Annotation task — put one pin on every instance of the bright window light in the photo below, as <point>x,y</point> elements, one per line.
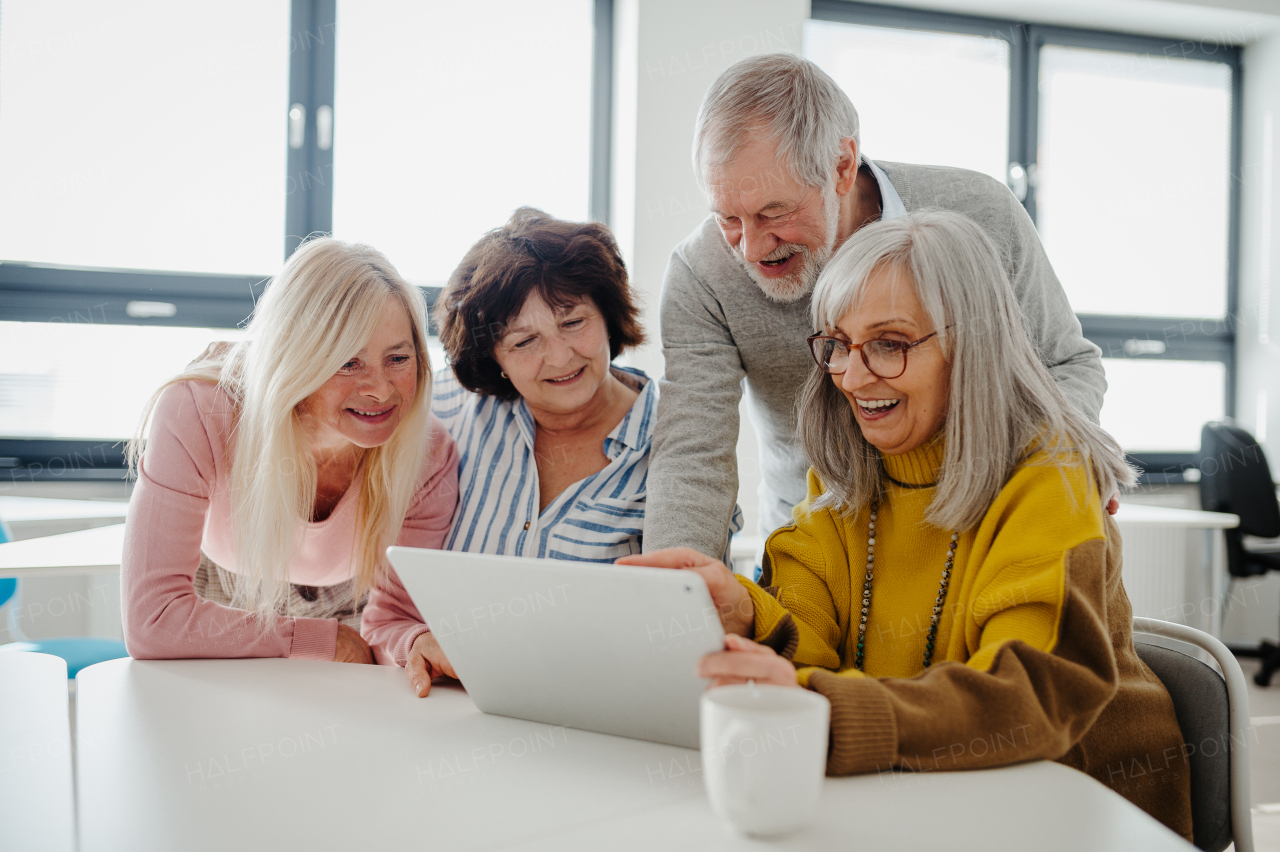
<point>144,135</point>
<point>1134,168</point>
<point>1159,405</point>
<point>447,117</point>
<point>936,99</point>
<point>87,380</point>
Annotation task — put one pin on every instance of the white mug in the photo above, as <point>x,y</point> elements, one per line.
<point>764,755</point>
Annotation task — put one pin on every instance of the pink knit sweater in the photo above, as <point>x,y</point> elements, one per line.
<point>181,506</point>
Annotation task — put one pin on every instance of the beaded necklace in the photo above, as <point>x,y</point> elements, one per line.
<point>866,595</point>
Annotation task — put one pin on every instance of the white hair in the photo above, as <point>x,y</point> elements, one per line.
<point>1003,404</point>
<point>314,316</point>
<point>793,101</point>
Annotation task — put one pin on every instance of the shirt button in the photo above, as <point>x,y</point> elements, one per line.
<point>526,525</point>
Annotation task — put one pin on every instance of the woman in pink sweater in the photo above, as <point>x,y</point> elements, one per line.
<point>277,471</point>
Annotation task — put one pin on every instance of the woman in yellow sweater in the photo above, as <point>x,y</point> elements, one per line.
<point>952,582</point>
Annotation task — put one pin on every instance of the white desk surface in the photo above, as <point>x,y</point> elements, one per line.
<point>20,509</point>
<point>275,754</point>
<point>1136,513</point>
<point>85,552</point>
<point>99,550</point>
<point>36,803</point>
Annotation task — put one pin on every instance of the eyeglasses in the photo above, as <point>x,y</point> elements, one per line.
<point>884,358</point>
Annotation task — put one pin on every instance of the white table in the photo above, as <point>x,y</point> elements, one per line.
<point>36,799</point>
<point>15,510</point>
<point>95,551</point>
<point>1170,575</point>
<point>273,754</point>
<point>33,517</point>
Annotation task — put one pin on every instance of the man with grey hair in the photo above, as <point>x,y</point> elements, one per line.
<point>777,151</point>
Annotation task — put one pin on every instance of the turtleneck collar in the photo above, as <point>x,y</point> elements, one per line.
<point>919,467</point>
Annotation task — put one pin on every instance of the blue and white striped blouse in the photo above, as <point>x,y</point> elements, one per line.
<point>596,519</point>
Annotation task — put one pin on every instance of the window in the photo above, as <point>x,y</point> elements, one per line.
<point>143,135</point>
<point>1157,405</point>
<point>1140,231</point>
<point>508,113</point>
<point>159,161</point>
<point>922,97</point>
<point>1108,124</point>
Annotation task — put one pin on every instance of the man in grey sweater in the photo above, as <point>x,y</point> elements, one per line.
<point>776,148</point>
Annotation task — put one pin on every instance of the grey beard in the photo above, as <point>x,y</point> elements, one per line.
<point>800,284</point>
<point>796,286</point>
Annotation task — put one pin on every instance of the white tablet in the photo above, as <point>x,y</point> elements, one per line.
<point>599,647</point>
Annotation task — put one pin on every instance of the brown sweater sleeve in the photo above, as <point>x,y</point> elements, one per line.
<point>1026,705</point>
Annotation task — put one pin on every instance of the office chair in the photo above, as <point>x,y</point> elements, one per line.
<point>1213,714</point>
<point>77,651</point>
<point>1235,478</point>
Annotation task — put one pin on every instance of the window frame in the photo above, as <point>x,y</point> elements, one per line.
<point>35,292</point>
<point>1183,338</point>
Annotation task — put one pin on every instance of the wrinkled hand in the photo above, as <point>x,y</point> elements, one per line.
<point>737,612</point>
<point>1113,505</point>
<point>351,647</point>
<point>426,660</point>
<point>744,660</point>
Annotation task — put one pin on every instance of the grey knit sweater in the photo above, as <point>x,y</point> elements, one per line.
<point>718,328</point>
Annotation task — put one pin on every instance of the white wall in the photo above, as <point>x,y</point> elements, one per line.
<point>1253,604</point>
<point>667,53</point>
<point>1258,329</point>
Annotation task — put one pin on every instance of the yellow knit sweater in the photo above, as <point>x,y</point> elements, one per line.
<point>1034,655</point>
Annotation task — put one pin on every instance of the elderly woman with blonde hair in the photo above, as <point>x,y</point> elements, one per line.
<point>952,582</point>
<point>276,472</point>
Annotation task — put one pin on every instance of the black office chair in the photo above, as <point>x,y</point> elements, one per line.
<point>1235,478</point>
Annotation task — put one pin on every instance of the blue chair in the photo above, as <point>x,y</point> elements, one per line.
<point>9,586</point>
<point>78,651</point>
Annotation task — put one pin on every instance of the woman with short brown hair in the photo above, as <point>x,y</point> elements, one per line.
<point>553,438</point>
<point>564,263</point>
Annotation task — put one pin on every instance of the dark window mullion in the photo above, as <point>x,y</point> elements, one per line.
<point>900,17</point>
<point>601,111</point>
<point>1158,47</point>
<point>309,181</point>
<point>1233,198</point>
<point>1113,346</point>
<point>1019,106</point>
<point>1159,328</point>
<point>37,293</point>
<point>1031,115</point>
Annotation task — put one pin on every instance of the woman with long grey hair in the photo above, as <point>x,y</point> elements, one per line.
<point>952,582</point>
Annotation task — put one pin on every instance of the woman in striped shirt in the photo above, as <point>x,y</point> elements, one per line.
<point>553,439</point>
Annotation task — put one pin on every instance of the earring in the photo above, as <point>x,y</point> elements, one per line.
<point>504,375</point>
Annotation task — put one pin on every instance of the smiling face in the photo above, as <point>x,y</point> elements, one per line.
<point>362,404</point>
<point>782,231</point>
<point>895,415</point>
<point>558,360</point>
